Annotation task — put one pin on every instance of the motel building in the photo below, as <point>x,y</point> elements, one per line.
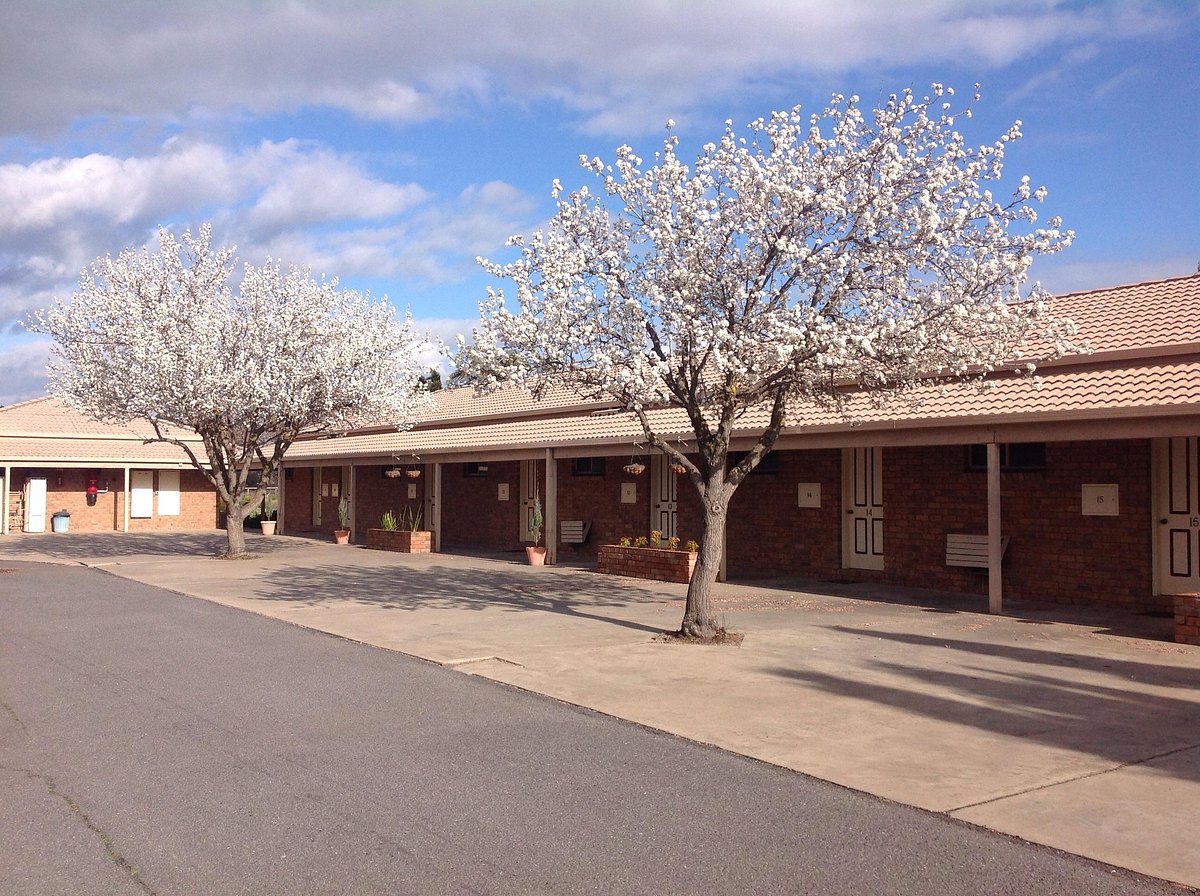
<point>1080,486</point>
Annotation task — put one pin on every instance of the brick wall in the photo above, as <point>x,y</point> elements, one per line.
<point>597,499</point>
<point>1055,553</point>
<point>377,494</point>
<point>472,514</point>
<point>197,506</point>
<point>768,533</point>
<point>197,501</point>
<point>297,499</point>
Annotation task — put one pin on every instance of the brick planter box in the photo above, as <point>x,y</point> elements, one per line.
<point>659,564</point>
<point>1187,618</point>
<point>403,541</point>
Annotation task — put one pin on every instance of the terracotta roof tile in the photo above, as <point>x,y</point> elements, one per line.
<point>1149,315</point>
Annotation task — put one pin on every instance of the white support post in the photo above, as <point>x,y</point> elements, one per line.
<point>995,544</point>
<point>353,502</point>
<point>7,478</point>
<point>435,506</point>
<point>282,474</point>
<point>125,523</point>
<point>551,507</point>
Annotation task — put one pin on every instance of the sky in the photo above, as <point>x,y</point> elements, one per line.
<point>391,144</point>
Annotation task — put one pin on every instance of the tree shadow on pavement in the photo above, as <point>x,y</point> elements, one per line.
<point>92,545</point>
<point>512,588</point>
<point>1101,705</point>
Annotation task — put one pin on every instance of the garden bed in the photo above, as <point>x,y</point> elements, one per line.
<point>400,540</point>
<point>660,564</point>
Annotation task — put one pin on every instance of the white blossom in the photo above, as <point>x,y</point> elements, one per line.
<point>818,253</point>
<point>163,336</point>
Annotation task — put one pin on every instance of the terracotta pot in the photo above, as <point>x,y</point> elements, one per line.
<point>536,556</point>
<point>341,536</point>
<point>268,527</point>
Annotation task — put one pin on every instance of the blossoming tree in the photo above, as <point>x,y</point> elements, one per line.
<point>815,259</point>
<point>163,336</point>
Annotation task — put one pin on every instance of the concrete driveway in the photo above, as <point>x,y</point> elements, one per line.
<point>1081,734</point>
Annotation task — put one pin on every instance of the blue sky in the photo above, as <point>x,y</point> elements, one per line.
<point>389,144</point>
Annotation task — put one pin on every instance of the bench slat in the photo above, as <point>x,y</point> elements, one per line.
<point>574,531</point>
<point>970,550</point>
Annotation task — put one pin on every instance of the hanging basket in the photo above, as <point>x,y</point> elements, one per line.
<point>413,474</point>
<point>635,469</point>
<point>392,473</point>
<point>678,469</point>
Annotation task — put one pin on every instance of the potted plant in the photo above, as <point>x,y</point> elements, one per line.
<point>535,553</point>
<point>342,534</point>
<point>270,513</point>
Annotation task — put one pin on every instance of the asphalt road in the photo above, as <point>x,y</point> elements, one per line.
<point>154,743</point>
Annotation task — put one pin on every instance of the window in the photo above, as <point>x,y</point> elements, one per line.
<point>587,466</point>
<point>769,464</point>
<point>1015,457</point>
<point>473,468</point>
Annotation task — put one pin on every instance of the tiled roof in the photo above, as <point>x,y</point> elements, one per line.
<point>1169,386</point>
<point>46,430</point>
<point>1139,316</point>
<point>50,451</point>
<point>49,416</point>
<point>1146,340</point>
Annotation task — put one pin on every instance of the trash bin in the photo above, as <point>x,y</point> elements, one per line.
<point>61,521</point>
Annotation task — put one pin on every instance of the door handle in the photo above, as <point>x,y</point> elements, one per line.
<point>1163,521</point>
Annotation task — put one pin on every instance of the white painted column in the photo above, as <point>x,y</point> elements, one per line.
<point>435,507</point>
<point>282,474</point>
<point>125,523</point>
<point>353,502</point>
<point>6,493</point>
<point>995,546</point>
<point>551,513</point>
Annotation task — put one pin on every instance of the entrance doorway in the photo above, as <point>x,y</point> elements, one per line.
<point>529,497</point>
<point>664,497</point>
<point>1177,515</point>
<point>862,497</point>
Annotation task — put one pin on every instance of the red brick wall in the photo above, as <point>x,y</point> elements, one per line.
<point>197,506</point>
<point>377,494</point>
<point>597,499</point>
<point>197,501</point>
<point>768,533</point>
<point>472,514</point>
<point>1055,553</point>
<point>297,499</point>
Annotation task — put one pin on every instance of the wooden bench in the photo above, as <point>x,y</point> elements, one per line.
<point>970,550</point>
<point>573,531</point>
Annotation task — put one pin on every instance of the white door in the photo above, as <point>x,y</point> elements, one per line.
<point>529,495</point>
<point>35,505</point>
<point>664,497</point>
<point>1177,512</point>
<point>862,478</point>
<point>168,493</point>
<point>141,494</point>
<point>433,512</point>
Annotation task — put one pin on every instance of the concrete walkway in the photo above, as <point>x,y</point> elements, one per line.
<point>1083,735</point>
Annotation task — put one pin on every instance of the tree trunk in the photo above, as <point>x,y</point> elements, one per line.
<point>698,619</point>
<point>235,530</point>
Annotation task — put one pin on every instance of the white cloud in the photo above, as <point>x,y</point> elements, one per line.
<point>617,65</point>
<point>295,201</point>
<point>23,370</point>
